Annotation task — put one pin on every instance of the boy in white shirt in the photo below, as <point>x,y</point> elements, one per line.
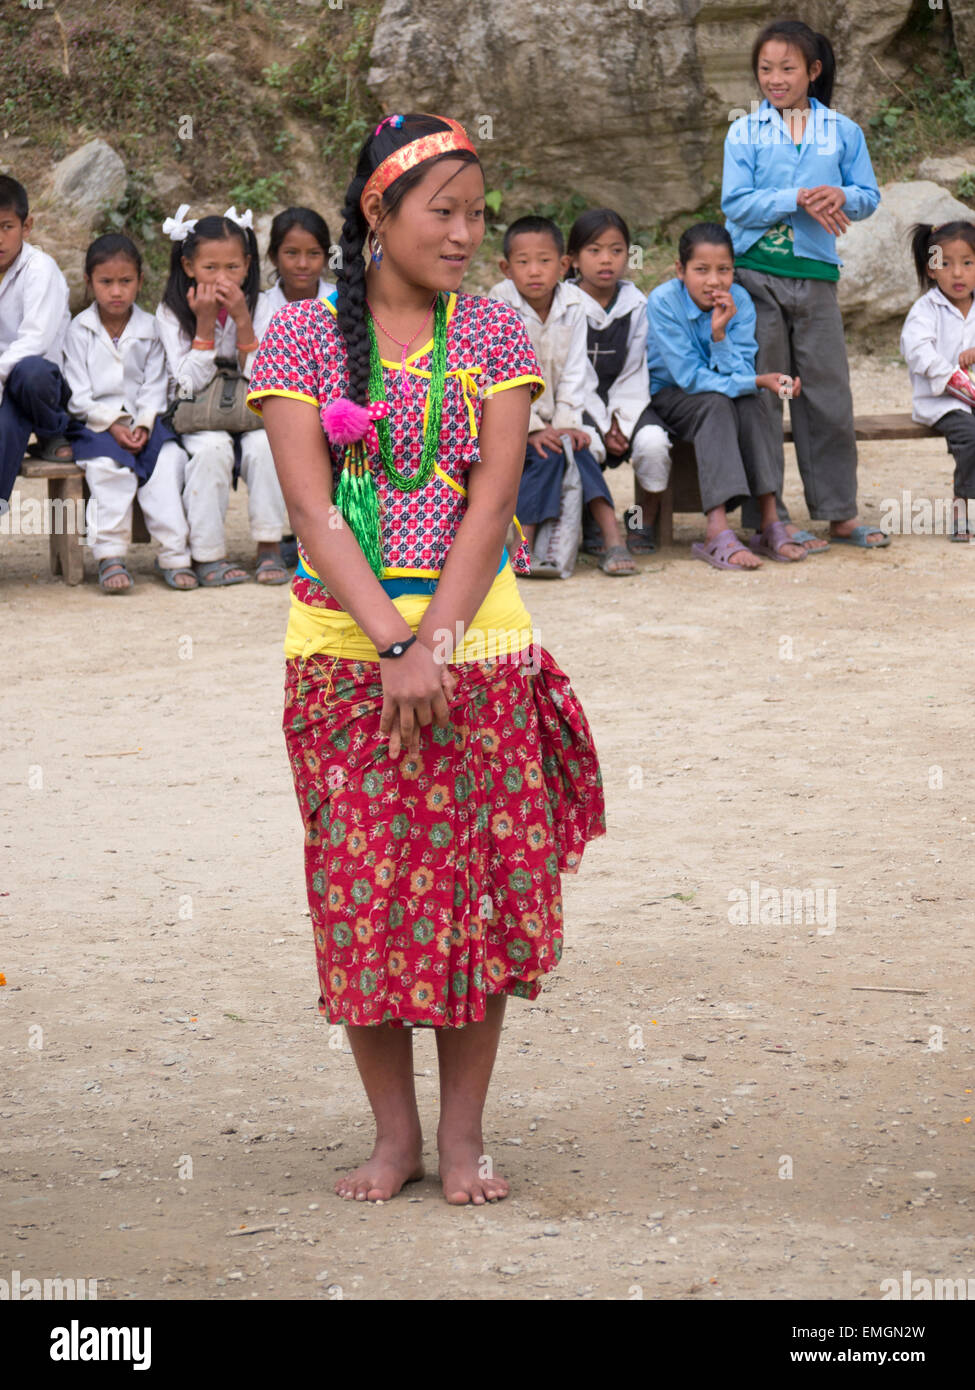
<point>34,316</point>
<point>552,312</point>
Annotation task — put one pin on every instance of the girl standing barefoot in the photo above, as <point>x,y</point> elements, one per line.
<point>444,768</point>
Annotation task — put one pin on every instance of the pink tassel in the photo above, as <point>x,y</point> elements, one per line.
<point>345,422</point>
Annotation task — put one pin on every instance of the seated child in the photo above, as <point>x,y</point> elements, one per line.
<point>115,364</point>
<point>555,320</point>
<point>701,352</point>
<point>299,250</point>
<point>206,315</point>
<point>619,406</point>
<point>34,316</point>
<point>938,345</point>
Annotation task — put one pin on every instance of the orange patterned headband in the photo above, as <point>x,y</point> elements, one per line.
<point>426,147</point>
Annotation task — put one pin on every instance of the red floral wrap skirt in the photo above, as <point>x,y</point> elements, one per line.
<point>433,879</point>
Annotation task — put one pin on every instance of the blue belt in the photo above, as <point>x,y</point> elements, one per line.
<point>409,584</point>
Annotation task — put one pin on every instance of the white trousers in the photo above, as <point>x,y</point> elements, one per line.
<point>108,518</point>
<point>651,458</point>
<point>206,491</point>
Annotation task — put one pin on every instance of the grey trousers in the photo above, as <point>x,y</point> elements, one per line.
<point>800,331</point>
<point>733,441</point>
<point>958,428</point>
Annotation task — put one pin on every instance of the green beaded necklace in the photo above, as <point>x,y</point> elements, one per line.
<point>406,482</point>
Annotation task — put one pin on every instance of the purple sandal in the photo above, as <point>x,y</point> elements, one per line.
<point>770,541</point>
<point>719,551</point>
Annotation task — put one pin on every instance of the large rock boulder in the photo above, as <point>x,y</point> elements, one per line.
<point>91,180</point>
<point>878,283</point>
<point>625,104</point>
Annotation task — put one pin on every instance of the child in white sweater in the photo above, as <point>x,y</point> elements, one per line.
<point>938,345</point>
<point>116,367</point>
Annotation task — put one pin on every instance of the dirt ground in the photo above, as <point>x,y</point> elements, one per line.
<point>697,1106</point>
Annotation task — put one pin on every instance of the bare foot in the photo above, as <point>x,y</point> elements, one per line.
<point>391,1164</point>
<point>466,1174</point>
<point>744,559</point>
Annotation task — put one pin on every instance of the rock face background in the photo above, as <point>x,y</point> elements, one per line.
<point>626,101</point>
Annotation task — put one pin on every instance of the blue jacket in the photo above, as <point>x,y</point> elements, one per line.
<point>763,171</point>
<point>679,347</point>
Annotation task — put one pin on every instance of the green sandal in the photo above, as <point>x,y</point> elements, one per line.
<point>169,575</point>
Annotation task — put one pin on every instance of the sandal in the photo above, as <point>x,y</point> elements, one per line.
<point>616,562</point>
<point>719,551</point>
<point>212,574</point>
<point>592,537</point>
<point>770,542</point>
<point>640,540</point>
<point>108,569</point>
<point>169,575</point>
<point>47,449</point>
<point>804,537</point>
<point>269,564</point>
<point>858,536</point>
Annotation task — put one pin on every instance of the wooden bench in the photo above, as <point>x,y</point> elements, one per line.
<point>67,493</point>
<point>683,493</point>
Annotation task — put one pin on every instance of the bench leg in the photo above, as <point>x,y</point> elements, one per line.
<point>665,517</point>
<point>66,499</point>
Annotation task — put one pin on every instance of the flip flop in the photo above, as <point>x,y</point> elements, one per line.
<point>804,537</point>
<point>169,575</point>
<point>614,554</point>
<point>770,541</point>
<point>108,569</point>
<point>858,536</point>
<point>212,574</point>
<point>719,551</point>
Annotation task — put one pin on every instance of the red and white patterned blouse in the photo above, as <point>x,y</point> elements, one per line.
<point>302,354</point>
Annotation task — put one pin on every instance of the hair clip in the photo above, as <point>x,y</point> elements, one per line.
<point>244,219</point>
<point>175,228</point>
<point>394,121</point>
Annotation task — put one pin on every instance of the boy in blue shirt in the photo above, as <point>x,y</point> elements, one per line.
<point>701,353</point>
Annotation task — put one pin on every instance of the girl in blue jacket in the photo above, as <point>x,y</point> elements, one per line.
<point>796,174</point>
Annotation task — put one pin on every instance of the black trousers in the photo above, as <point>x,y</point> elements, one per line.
<point>958,427</point>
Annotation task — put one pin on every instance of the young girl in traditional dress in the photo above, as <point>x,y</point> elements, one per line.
<point>298,249</point>
<point>619,408</point>
<point>206,316</point>
<point>444,768</point>
<point>115,364</point>
<point>796,174</point>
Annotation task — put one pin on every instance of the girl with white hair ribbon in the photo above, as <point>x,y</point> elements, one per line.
<point>205,318</point>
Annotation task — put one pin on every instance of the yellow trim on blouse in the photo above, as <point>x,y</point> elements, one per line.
<point>501,626</point>
<point>253,396</point>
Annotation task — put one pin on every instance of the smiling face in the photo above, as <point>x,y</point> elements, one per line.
<point>953,270</point>
<point>601,263</point>
<point>225,259</point>
<point>429,238</point>
<point>114,285</point>
<point>783,75</point>
<point>300,262</point>
<point>710,269</point>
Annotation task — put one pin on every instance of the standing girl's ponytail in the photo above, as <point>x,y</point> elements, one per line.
<point>390,136</point>
<point>815,48</point>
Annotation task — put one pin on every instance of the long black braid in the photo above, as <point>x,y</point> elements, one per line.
<point>351,272</point>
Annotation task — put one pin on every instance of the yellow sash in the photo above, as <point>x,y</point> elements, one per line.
<point>501,625</point>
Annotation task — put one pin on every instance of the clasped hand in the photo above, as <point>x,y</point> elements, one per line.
<point>416,691</point>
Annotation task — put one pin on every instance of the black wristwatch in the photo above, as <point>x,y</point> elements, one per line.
<point>397,649</point>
